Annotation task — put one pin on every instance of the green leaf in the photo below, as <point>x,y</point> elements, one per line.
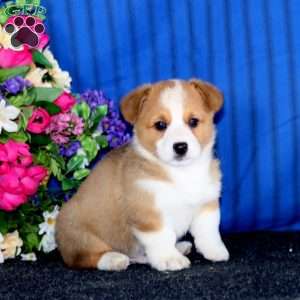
<point>40,59</point>
<point>43,158</point>
<point>98,114</point>
<point>51,108</point>
<point>54,167</point>
<point>40,139</point>
<point>82,110</point>
<point>90,146</point>
<point>21,100</point>
<point>7,73</point>
<point>80,174</point>
<point>101,140</point>
<point>69,184</point>
<point>75,162</point>
<point>32,241</point>
<point>45,94</point>
<point>19,136</point>
<point>3,223</point>
<point>26,113</point>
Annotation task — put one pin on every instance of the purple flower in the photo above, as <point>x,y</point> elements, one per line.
<point>96,98</point>
<point>69,149</point>
<point>14,85</point>
<point>111,125</point>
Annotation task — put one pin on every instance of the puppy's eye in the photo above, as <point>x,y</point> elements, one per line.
<point>193,122</point>
<point>160,125</point>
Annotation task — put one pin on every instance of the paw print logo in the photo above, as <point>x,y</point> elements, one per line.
<point>26,30</point>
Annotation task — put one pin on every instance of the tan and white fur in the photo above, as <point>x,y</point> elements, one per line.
<point>143,197</point>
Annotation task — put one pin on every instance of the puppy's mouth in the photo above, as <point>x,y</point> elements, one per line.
<point>179,160</point>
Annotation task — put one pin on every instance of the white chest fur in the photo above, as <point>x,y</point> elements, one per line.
<point>178,200</point>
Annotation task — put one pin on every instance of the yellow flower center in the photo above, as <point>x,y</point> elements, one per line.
<point>51,221</point>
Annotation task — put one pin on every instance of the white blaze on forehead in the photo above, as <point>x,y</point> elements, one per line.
<point>172,98</point>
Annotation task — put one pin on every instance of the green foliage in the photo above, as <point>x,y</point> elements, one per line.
<point>51,108</point>
<point>81,174</point>
<point>75,162</point>
<point>90,146</point>
<point>22,99</point>
<point>82,110</point>
<point>40,139</point>
<point>40,59</point>
<point>6,73</point>
<point>45,94</point>
<point>99,113</point>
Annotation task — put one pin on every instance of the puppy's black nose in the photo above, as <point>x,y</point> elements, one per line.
<point>180,148</point>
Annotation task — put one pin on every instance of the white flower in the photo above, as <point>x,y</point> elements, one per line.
<point>47,228</point>
<point>28,257</point>
<point>62,79</point>
<point>11,245</point>
<point>35,76</point>
<point>7,114</point>
<point>48,243</point>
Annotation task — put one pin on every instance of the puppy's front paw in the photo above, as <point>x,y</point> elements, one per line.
<point>172,262</point>
<point>217,253</point>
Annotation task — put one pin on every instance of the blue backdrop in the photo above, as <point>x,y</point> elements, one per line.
<point>249,48</point>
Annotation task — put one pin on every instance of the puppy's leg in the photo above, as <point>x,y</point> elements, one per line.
<point>92,252</point>
<point>205,229</point>
<point>160,249</point>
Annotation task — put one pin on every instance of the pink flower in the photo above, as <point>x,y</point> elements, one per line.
<point>39,121</point>
<point>10,58</point>
<point>9,202</point>
<point>10,183</point>
<point>14,152</point>
<point>18,177</point>
<point>4,167</point>
<point>44,40</point>
<point>37,172</point>
<point>65,101</point>
<point>63,126</point>
<point>29,185</point>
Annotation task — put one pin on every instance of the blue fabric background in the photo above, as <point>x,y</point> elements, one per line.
<point>249,48</point>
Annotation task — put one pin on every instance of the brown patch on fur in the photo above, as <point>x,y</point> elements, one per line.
<point>100,217</point>
<point>152,112</point>
<point>212,97</point>
<point>209,207</point>
<point>195,107</point>
<point>132,104</point>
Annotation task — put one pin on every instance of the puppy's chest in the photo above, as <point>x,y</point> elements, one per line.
<point>178,199</point>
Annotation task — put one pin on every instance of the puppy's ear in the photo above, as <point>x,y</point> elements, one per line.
<point>211,95</point>
<point>131,104</point>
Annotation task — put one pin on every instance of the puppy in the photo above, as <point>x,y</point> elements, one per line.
<point>143,197</point>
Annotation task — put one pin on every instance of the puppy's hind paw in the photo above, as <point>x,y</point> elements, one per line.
<point>173,262</point>
<point>113,261</point>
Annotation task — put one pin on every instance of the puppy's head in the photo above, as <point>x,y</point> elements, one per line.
<point>173,119</point>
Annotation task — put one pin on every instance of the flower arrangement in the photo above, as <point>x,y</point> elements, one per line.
<point>49,139</point>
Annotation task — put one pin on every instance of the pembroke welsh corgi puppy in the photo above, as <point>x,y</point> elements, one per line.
<point>141,198</point>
